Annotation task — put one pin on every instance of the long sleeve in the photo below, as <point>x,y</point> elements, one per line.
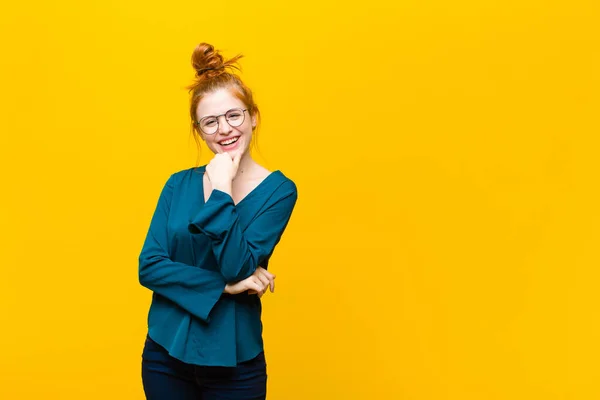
<point>239,252</point>
<point>192,288</point>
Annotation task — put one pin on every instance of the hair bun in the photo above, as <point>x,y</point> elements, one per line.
<point>206,59</point>
<point>208,63</point>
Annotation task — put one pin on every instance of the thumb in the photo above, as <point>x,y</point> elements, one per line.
<point>236,160</point>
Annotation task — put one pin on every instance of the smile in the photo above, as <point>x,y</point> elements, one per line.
<point>229,141</point>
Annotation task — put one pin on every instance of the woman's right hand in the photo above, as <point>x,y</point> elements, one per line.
<point>257,283</point>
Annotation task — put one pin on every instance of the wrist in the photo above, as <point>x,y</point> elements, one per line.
<point>223,187</point>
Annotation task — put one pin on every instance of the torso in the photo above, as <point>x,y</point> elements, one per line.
<point>243,184</point>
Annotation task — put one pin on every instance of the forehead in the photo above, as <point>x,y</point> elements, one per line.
<point>217,102</point>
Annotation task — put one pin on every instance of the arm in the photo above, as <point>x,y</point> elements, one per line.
<point>238,252</point>
<point>194,289</point>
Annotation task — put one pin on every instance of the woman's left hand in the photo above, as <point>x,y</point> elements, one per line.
<point>222,169</point>
<point>257,283</point>
<point>267,278</point>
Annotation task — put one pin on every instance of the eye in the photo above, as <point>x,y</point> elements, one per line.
<point>209,122</point>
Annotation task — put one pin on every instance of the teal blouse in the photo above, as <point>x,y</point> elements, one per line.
<point>193,248</point>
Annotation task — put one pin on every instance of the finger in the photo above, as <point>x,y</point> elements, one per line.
<point>261,285</point>
<point>254,286</point>
<point>271,279</point>
<point>262,276</point>
<point>264,281</point>
<point>269,276</point>
<point>266,271</point>
<point>236,160</point>
<point>261,270</point>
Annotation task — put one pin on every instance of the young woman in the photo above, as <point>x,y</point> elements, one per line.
<point>206,253</point>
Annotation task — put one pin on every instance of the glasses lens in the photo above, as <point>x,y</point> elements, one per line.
<point>235,117</point>
<point>209,125</point>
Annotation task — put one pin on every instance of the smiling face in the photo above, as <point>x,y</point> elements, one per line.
<point>227,138</point>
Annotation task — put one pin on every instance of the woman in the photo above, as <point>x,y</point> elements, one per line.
<point>207,250</point>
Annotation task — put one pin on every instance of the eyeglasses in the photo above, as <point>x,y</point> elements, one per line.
<point>234,117</point>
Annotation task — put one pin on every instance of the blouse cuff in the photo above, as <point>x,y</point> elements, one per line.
<point>215,217</point>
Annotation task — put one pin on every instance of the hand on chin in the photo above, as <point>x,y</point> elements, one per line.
<point>232,153</point>
<point>222,169</point>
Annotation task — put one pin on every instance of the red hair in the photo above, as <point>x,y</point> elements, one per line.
<point>212,74</point>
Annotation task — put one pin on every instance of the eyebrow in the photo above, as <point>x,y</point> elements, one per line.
<point>214,115</point>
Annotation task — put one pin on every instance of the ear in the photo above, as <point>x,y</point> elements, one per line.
<point>253,121</point>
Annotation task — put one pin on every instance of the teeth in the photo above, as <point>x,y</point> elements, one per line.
<point>226,142</point>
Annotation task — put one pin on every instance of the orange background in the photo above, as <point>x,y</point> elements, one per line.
<point>445,240</point>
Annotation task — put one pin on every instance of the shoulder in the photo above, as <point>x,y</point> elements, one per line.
<point>285,186</point>
<point>277,182</point>
<point>186,175</point>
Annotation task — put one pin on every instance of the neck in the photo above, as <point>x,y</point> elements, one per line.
<point>246,163</point>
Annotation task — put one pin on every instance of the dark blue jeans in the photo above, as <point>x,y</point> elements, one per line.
<point>166,378</point>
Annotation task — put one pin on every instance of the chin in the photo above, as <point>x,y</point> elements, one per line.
<point>236,151</point>
<point>240,146</point>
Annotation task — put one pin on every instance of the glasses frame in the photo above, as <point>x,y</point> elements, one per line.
<point>243,110</point>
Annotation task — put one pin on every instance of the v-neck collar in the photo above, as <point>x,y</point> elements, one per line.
<point>262,183</point>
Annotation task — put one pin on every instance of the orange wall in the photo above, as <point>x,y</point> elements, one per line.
<point>444,244</point>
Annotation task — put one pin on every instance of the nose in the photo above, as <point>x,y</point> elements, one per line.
<point>224,127</point>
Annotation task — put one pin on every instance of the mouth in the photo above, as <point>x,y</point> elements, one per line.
<point>229,142</point>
